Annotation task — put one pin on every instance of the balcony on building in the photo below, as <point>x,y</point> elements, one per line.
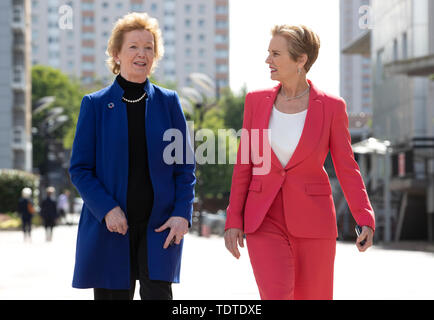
<point>413,67</point>
<point>18,138</point>
<point>18,18</point>
<point>18,79</point>
<point>361,45</point>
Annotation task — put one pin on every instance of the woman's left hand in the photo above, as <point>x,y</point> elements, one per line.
<point>368,234</point>
<point>178,228</point>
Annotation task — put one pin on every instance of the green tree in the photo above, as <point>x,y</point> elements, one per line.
<point>48,81</point>
<point>233,108</point>
<point>224,120</point>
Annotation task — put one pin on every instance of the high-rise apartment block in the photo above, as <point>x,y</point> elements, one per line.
<point>72,36</point>
<point>355,69</point>
<point>15,85</point>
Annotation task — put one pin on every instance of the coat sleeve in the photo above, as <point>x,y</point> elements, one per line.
<point>184,171</point>
<point>242,174</point>
<point>83,161</point>
<point>347,169</point>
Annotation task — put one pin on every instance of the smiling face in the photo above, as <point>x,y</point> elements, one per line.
<point>136,55</point>
<point>282,66</point>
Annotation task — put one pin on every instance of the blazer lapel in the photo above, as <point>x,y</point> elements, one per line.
<point>264,118</point>
<point>312,130</point>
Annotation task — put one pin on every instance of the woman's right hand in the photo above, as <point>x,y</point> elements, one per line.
<point>233,238</point>
<point>116,221</point>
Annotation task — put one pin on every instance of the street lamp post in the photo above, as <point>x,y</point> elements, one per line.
<point>199,99</point>
<point>45,132</point>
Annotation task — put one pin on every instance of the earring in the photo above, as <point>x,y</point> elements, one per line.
<point>299,70</point>
<point>118,62</point>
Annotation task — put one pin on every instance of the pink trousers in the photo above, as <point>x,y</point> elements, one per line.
<point>289,268</point>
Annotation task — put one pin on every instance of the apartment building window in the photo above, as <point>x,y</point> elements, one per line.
<point>88,6</point>
<point>87,21</point>
<point>221,54</point>
<point>87,51</point>
<point>219,38</point>
<point>202,38</point>
<point>88,35</point>
<point>222,68</point>
<point>221,24</point>
<point>201,52</point>
<point>87,66</point>
<point>187,8</point>
<point>188,37</point>
<point>380,66</point>
<point>105,5</point>
<point>202,8</point>
<point>18,74</point>
<point>17,13</point>
<point>187,23</point>
<point>137,7</point>
<point>188,52</point>
<point>221,9</point>
<point>154,7</point>
<point>404,46</point>
<point>395,50</point>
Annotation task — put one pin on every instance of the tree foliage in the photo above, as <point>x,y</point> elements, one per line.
<point>48,81</point>
<point>12,182</point>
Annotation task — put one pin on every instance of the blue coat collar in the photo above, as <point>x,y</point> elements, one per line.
<point>116,91</point>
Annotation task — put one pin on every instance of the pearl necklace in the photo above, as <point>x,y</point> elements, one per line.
<point>137,100</point>
<point>296,97</point>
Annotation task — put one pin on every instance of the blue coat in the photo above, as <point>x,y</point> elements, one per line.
<point>99,171</point>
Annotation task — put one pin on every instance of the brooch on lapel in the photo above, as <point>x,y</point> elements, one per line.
<point>111,105</point>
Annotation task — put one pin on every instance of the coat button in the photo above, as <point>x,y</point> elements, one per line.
<point>283,173</point>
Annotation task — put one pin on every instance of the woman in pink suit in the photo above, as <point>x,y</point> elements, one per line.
<point>283,202</point>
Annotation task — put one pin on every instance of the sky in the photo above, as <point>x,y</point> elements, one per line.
<point>251,22</point>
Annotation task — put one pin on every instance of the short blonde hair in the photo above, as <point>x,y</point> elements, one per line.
<point>130,22</point>
<point>301,40</point>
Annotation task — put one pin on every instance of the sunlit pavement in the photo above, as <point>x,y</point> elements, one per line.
<point>43,270</point>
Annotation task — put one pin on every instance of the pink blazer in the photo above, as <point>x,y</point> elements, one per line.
<point>306,190</point>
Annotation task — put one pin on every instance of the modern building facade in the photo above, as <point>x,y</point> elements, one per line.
<point>355,69</point>
<point>15,85</point>
<point>72,36</point>
<point>401,43</point>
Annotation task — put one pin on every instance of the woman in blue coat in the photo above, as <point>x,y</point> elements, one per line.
<point>137,202</point>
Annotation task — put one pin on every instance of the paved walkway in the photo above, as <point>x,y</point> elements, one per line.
<point>43,270</point>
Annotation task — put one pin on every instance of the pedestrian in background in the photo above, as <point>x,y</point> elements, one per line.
<point>137,206</point>
<point>63,206</point>
<point>49,213</point>
<point>287,213</point>
<point>26,212</point>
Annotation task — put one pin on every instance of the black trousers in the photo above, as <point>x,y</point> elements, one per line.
<point>149,289</point>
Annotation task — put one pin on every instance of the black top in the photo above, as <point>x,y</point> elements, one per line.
<point>140,194</point>
<point>48,209</point>
<point>23,209</point>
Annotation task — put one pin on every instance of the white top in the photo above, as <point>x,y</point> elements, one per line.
<point>285,132</point>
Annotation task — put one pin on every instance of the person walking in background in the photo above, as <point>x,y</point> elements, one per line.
<point>137,206</point>
<point>49,213</point>
<point>287,213</point>
<point>26,212</point>
<point>63,206</point>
